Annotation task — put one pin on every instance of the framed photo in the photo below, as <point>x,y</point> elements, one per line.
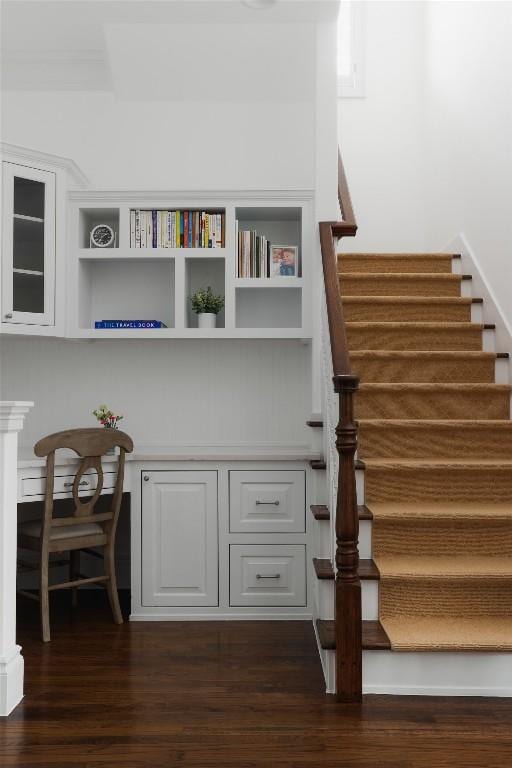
<point>284,260</point>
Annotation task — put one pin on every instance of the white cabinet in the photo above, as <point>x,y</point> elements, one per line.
<point>267,502</point>
<point>207,545</point>
<point>28,248</point>
<point>272,574</point>
<point>179,538</point>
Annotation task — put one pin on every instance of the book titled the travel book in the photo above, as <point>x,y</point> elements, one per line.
<point>136,324</point>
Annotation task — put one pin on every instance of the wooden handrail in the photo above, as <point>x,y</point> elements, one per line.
<point>348,626</point>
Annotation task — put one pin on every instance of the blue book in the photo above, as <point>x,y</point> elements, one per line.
<point>190,229</point>
<point>155,240</point>
<point>120,324</point>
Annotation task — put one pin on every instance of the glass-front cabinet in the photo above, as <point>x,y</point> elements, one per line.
<point>28,258</point>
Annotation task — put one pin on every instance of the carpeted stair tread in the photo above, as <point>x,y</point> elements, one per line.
<point>421,366</point>
<point>445,566</point>
<point>433,512</point>
<point>439,464</point>
<point>407,308</point>
<point>449,633</point>
<point>419,336</point>
<point>399,284</point>
<point>395,262</point>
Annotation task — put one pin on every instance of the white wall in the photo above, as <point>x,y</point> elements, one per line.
<point>469,135</point>
<point>168,145</point>
<point>381,135</point>
<point>170,392</point>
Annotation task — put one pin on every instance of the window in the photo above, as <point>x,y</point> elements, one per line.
<point>351,50</point>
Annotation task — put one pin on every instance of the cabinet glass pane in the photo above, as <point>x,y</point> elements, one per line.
<point>28,244</point>
<point>28,293</point>
<point>28,197</point>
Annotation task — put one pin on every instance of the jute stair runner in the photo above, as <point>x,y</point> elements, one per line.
<point>436,439</point>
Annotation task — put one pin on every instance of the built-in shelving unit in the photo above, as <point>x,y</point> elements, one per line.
<point>155,283</point>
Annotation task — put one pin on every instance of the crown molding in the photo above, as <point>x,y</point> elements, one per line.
<point>12,414</point>
<point>184,195</point>
<point>16,153</point>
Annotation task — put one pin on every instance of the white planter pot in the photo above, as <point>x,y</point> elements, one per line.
<point>206,320</point>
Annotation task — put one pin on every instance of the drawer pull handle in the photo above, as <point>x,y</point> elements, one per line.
<point>273,576</point>
<point>70,485</point>
<point>275,503</point>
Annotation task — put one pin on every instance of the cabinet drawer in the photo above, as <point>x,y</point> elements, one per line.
<point>267,501</point>
<point>267,574</point>
<point>35,486</point>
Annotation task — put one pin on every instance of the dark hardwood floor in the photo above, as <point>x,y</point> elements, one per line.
<point>223,695</point>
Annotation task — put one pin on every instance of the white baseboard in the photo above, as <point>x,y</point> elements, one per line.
<point>221,616</point>
<point>481,288</point>
<point>11,682</point>
<point>437,673</point>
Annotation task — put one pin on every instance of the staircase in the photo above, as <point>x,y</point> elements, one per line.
<point>433,486</point>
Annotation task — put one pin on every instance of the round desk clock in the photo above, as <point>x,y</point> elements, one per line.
<point>102,236</point>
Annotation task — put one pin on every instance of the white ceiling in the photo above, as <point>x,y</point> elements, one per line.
<point>162,49</point>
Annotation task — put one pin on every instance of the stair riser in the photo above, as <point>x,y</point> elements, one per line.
<point>425,370</point>
<point>324,599</point>
<point>434,442</point>
<point>482,537</point>
<point>395,312</point>
<point>322,539</point>
<point>426,339</point>
<point>424,485</point>
<point>434,405</point>
<point>388,264</point>
<point>415,285</point>
<point>458,597</point>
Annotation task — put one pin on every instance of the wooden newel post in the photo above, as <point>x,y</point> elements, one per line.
<point>348,585</point>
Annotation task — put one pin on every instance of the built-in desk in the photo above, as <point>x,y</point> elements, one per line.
<point>215,533</point>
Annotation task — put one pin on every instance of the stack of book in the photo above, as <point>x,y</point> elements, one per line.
<point>253,254</point>
<point>176,229</point>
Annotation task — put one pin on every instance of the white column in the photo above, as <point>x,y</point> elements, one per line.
<point>12,414</point>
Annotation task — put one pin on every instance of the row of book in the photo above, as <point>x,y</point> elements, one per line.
<point>253,254</point>
<point>176,229</point>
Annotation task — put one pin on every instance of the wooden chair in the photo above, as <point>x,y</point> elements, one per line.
<point>84,528</point>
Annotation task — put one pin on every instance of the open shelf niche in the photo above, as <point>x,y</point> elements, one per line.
<point>134,290</point>
<point>90,218</point>
<point>201,273</point>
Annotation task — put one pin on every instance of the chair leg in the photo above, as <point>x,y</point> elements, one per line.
<point>74,571</point>
<point>44,599</point>
<point>111,585</point>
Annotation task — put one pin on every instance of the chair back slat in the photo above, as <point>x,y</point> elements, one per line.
<point>84,508</point>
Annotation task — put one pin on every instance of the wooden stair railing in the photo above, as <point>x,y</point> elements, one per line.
<point>348,620</point>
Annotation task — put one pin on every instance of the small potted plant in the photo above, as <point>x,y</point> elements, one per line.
<point>108,419</point>
<point>207,305</point>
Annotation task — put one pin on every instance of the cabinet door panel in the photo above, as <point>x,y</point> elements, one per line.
<point>28,257</point>
<point>179,539</point>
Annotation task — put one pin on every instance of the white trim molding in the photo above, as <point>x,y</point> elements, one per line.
<point>25,156</point>
<point>12,414</point>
